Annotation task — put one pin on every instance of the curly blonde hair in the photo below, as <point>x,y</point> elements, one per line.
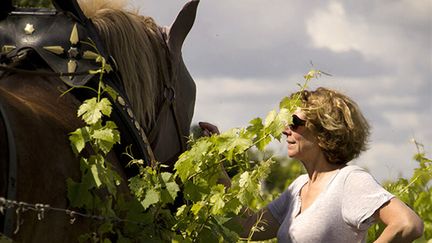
<point>336,120</point>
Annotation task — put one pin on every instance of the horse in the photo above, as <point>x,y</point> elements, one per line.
<point>154,109</point>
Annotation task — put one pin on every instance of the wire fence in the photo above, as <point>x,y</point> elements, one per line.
<point>41,209</point>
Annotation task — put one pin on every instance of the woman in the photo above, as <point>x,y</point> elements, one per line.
<point>333,202</point>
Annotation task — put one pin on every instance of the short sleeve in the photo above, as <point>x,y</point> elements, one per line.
<point>281,205</point>
<point>278,207</point>
<point>362,196</point>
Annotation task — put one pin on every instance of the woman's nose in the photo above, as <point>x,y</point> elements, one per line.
<point>287,131</point>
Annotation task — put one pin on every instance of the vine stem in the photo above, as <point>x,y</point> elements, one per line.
<point>100,81</point>
<point>201,227</point>
<point>255,227</point>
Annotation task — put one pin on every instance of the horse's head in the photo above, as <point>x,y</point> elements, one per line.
<point>147,58</point>
<point>156,81</point>
<point>36,48</point>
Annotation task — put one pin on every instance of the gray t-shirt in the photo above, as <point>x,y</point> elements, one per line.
<point>340,213</point>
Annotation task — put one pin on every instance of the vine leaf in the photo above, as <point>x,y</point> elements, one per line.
<point>188,162</point>
<point>78,139</point>
<point>106,136</point>
<point>152,196</point>
<point>91,110</point>
<point>171,188</point>
<point>217,199</point>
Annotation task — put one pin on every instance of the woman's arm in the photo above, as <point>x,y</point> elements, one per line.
<point>402,223</point>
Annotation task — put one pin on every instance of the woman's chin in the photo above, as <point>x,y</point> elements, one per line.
<point>292,154</point>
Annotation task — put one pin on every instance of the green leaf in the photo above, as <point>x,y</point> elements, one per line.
<point>78,139</point>
<point>172,189</point>
<point>290,104</point>
<point>105,228</point>
<point>91,110</point>
<point>270,118</point>
<point>78,193</point>
<point>217,199</point>
<point>95,172</point>
<point>181,210</point>
<point>106,240</point>
<point>104,134</point>
<point>106,137</point>
<point>244,179</point>
<point>285,116</point>
<point>196,207</point>
<point>137,186</point>
<point>232,142</point>
<point>194,192</point>
<point>152,196</point>
<point>262,140</point>
<point>256,125</point>
<point>233,206</point>
<point>166,177</point>
<point>189,162</point>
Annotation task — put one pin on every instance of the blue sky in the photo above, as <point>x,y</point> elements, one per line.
<point>246,55</point>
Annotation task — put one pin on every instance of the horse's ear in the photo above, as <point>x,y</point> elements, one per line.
<point>71,6</point>
<point>182,25</point>
<point>5,8</point>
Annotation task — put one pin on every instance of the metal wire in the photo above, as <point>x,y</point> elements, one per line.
<point>41,209</point>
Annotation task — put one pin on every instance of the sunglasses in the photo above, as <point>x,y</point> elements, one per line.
<point>296,122</point>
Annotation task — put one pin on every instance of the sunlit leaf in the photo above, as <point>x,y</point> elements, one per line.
<point>150,198</point>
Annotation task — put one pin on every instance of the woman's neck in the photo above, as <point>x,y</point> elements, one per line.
<point>320,168</point>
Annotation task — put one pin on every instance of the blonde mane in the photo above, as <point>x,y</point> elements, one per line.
<point>139,50</point>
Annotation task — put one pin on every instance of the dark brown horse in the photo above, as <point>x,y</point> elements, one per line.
<point>36,47</point>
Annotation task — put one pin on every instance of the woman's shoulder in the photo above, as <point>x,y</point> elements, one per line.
<point>356,174</point>
<point>353,169</point>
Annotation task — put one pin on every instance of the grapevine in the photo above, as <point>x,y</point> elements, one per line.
<point>209,206</point>
<point>206,207</point>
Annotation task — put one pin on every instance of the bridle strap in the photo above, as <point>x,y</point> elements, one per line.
<point>169,97</point>
<point>177,123</point>
<point>12,172</point>
<point>168,103</point>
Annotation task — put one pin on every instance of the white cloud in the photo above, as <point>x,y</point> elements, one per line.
<point>385,100</point>
<point>376,38</point>
<point>406,120</point>
<point>232,86</point>
<point>389,160</point>
<point>329,28</point>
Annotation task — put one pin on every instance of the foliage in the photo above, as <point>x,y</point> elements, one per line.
<point>155,211</point>
<point>416,192</point>
<point>209,206</point>
<point>97,173</point>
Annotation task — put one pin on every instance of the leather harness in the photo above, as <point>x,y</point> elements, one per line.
<point>61,39</point>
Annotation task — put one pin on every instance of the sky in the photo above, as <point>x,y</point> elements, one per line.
<point>246,55</point>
